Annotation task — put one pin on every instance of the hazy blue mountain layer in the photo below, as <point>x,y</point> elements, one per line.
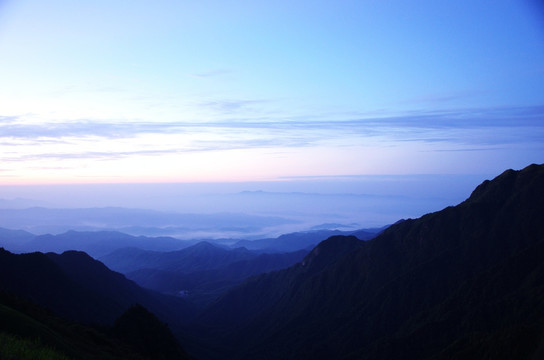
<point>101,243</point>
<point>201,256</point>
<point>94,243</point>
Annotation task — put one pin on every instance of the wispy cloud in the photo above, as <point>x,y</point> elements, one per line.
<point>521,117</point>
<point>474,129</point>
<point>466,118</point>
<point>229,106</point>
<point>97,155</point>
<point>196,146</point>
<point>470,149</point>
<point>8,119</point>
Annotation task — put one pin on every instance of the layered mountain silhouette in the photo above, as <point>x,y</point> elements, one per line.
<point>205,270</point>
<point>200,272</point>
<point>202,256</point>
<point>202,287</point>
<point>465,282</point>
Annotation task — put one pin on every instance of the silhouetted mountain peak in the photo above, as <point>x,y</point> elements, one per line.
<point>508,183</point>
<point>74,256</point>
<point>145,332</point>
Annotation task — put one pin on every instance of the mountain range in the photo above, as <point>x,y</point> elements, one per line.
<point>203,271</point>
<point>101,243</point>
<point>461,283</point>
<point>94,243</point>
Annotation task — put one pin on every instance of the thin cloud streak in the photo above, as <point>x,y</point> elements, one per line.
<point>491,129</point>
<point>229,106</point>
<point>468,119</point>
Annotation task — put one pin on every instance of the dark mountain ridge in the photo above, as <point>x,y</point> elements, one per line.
<point>464,282</point>
<point>78,287</point>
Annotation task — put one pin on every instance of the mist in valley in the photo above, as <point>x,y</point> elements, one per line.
<point>230,210</point>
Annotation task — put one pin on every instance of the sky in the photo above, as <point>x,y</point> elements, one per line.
<point>229,91</point>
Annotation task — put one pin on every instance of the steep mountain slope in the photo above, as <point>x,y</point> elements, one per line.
<point>464,282</point>
<point>229,317</point>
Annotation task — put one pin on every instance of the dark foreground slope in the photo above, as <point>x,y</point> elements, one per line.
<point>28,331</point>
<point>465,282</point>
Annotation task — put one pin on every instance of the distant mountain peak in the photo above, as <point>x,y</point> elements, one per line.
<point>203,246</point>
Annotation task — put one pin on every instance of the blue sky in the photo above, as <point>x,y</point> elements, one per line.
<point>179,91</point>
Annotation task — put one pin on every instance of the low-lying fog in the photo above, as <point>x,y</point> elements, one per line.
<point>236,210</point>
